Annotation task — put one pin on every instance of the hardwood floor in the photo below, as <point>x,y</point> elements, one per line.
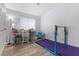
<point>32,49</point>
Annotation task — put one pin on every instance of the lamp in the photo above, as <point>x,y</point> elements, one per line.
<point>11,24</point>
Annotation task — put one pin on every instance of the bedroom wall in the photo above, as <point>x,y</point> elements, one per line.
<point>67,15</point>
<point>2,27</point>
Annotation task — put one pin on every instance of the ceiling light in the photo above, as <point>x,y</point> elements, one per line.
<point>38,3</point>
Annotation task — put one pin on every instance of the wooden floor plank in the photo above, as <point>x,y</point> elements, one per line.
<point>32,49</point>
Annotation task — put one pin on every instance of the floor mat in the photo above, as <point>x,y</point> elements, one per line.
<point>64,50</point>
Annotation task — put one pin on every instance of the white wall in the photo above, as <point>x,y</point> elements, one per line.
<point>2,27</point>
<point>65,14</point>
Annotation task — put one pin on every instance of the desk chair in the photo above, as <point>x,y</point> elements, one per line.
<point>25,37</point>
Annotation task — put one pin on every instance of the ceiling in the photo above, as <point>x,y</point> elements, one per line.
<point>32,8</point>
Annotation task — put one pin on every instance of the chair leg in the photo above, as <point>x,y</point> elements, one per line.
<point>22,41</point>
<point>27,40</point>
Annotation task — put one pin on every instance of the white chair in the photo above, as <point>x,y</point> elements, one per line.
<point>25,37</point>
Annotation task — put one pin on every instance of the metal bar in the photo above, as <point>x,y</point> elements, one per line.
<point>55,38</point>
<point>65,35</point>
<point>61,26</point>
